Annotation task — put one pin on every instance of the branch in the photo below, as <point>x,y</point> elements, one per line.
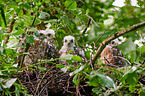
<point>89,21</point>
<point>10,29</point>
<point>27,44</point>
<point>105,42</point>
<point>42,80</point>
<point>113,24</point>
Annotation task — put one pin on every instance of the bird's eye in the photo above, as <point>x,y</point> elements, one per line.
<point>41,34</point>
<point>49,35</point>
<point>65,40</point>
<point>71,40</point>
<point>113,42</point>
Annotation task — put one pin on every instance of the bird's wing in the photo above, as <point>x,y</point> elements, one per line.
<point>51,51</point>
<point>118,57</point>
<point>107,56</point>
<point>79,52</point>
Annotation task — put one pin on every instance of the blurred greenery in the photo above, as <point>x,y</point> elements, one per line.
<point>70,17</point>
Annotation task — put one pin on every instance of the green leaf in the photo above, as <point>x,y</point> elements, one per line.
<point>67,57</point>
<point>142,91</point>
<point>77,58</point>
<point>65,69</point>
<point>76,80</point>
<point>60,66</point>
<point>17,91</point>
<point>9,82</point>
<point>37,21</point>
<point>44,15</point>
<point>93,81</point>
<point>29,39</point>
<point>77,70</point>
<point>128,46</point>
<point>20,31</point>
<point>3,16</point>
<point>12,42</point>
<point>32,30</point>
<point>71,4</point>
<point>131,76</point>
<point>132,79</point>
<point>102,79</point>
<point>132,69</point>
<point>42,68</point>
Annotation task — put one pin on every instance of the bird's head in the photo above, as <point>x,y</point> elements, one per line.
<point>49,35</point>
<point>113,43</point>
<point>46,35</point>
<point>68,41</point>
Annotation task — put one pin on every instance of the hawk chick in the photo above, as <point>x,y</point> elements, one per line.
<point>70,48</point>
<point>112,55</point>
<point>43,48</point>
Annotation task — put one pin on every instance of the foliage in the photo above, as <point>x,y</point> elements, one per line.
<point>71,17</point>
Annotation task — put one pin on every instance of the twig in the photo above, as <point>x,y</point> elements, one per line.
<point>123,59</point>
<point>44,87</point>
<point>89,21</point>
<point>114,92</point>
<point>42,80</point>
<point>109,63</point>
<point>26,49</point>
<point>105,42</point>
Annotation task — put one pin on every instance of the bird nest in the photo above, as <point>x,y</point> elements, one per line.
<point>51,83</point>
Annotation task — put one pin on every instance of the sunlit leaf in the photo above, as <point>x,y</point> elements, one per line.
<point>42,68</point>
<point>9,82</point>
<point>102,79</point>
<point>65,69</point>
<point>76,79</point>
<point>77,58</point>
<point>77,70</point>
<point>67,57</point>
<point>44,15</point>
<point>60,66</point>
<point>70,4</point>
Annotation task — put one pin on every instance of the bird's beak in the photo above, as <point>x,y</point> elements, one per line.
<point>45,36</point>
<point>53,37</point>
<point>68,42</point>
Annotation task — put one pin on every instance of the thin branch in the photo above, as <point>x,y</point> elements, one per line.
<point>123,59</point>
<point>89,21</point>
<point>45,86</point>
<point>42,80</point>
<point>105,42</point>
<point>26,49</point>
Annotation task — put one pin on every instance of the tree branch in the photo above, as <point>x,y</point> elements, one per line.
<point>9,30</point>
<point>105,42</point>
<point>89,21</point>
